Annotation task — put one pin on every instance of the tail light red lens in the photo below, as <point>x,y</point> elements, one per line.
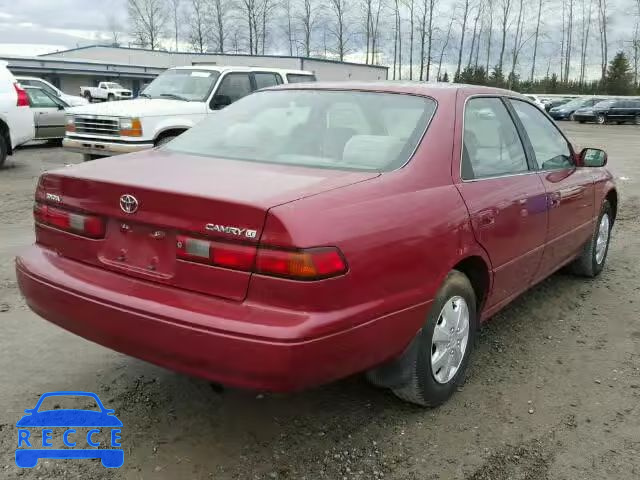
<point>236,257</point>
<point>308,264</point>
<point>23,98</point>
<point>80,224</point>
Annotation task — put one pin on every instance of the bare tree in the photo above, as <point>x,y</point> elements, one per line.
<point>289,25</point>
<point>198,25</point>
<point>446,41</point>
<point>475,31</point>
<point>249,10</point>
<point>307,19</point>
<point>266,10</point>
<point>584,38</point>
<point>114,31</point>
<point>338,28</point>
<point>602,24</point>
<point>465,16</point>
<point>567,63</point>
<point>220,10</point>
<point>489,32</point>
<point>411,7</point>
<point>505,8</point>
<point>518,43</point>
<point>536,36</point>
<point>367,6</point>
<point>148,21</point>
<point>375,23</point>
<point>175,16</point>
<point>425,29</point>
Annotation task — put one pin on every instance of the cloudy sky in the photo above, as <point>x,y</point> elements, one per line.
<point>32,27</point>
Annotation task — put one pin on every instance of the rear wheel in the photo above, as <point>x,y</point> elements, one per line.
<point>572,117</point>
<point>87,95</point>
<point>110,97</point>
<point>442,348</point>
<point>580,121</point>
<point>4,149</point>
<point>600,119</point>
<point>594,254</point>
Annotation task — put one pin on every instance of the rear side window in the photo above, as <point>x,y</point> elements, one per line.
<point>234,86</point>
<point>265,79</point>
<point>550,147</point>
<point>300,78</point>
<point>491,144</point>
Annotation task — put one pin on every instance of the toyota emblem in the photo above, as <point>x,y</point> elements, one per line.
<point>128,203</point>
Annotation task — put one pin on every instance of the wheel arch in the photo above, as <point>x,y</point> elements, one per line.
<point>169,132</point>
<point>612,198</point>
<point>477,270</point>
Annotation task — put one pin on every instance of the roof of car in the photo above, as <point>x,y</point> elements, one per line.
<point>415,87</point>
<point>224,68</point>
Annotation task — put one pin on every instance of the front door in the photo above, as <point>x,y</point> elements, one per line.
<point>48,114</point>
<point>570,190</point>
<point>505,197</point>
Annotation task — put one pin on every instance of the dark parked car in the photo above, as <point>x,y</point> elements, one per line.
<point>320,230</point>
<point>566,111</point>
<point>587,114</point>
<point>555,102</point>
<point>618,111</point>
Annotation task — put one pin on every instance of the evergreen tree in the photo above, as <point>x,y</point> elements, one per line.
<point>619,80</point>
<point>445,77</point>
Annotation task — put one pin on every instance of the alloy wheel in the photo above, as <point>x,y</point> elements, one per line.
<point>450,339</point>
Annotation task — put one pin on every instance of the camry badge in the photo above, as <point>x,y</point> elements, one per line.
<point>128,203</point>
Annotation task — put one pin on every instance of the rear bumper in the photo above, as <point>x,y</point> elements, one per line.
<point>233,343</point>
<point>101,147</point>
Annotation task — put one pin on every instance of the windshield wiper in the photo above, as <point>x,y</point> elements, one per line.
<point>173,95</point>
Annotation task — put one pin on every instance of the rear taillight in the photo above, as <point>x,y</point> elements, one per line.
<point>23,99</point>
<point>307,264</point>
<point>78,223</point>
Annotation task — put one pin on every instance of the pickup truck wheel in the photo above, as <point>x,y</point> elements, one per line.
<point>87,95</point>
<point>3,150</point>
<point>600,119</point>
<point>163,140</point>
<point>110,97</point>
<point>443,345</point>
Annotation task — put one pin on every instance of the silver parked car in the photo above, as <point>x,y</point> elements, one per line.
<point>48,114</point>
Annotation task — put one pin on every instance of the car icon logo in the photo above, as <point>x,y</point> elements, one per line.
<point>84,434</point>
<point>128,203</point>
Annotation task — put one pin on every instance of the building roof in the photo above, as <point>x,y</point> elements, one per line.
<point>315,59</point>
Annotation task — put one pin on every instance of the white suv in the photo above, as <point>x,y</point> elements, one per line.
<point>16,118</point>
<point>171,104</point>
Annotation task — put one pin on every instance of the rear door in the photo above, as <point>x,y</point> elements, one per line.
<point>570,190</point>
<point>505,198</point>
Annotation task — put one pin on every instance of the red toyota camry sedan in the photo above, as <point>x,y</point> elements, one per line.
<point>309,232</point>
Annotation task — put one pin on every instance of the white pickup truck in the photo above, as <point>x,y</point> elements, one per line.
<point>174,102</point>
<point>106,91</point>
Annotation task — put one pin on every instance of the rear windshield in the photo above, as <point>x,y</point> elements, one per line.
<point>313,128</point>
<point>300,78</point>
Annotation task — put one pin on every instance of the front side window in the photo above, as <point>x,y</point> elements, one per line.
<point>183,84</point>
<point>550,147</point>
<point>234,86</point>
<point>491,144</point>
<point>312,128</point>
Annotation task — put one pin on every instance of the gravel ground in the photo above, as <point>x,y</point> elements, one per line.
<point>553,392</point>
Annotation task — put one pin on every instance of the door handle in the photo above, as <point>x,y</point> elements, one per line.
<point>554,199</point>
<point>486,218</point>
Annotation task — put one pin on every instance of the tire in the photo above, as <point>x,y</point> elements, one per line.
<point>88,157</point>
<point>589,263</point>
<point>572,117</point>
<point>87,95</point>
<point>111,97</point>
<point>600,119</point>
<point>4,150</point>
<point>162,140</point>
<point>423,386</point>
<point>580,121</point>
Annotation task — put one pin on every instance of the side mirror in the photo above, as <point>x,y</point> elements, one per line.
<point>593,157</point>
<point>220,101</point>
<point>60,107</point>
